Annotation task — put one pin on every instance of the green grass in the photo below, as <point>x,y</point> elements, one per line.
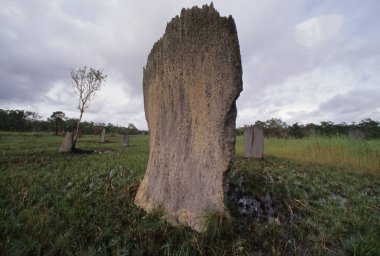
<point>356,155</point>
<point>82,204</point>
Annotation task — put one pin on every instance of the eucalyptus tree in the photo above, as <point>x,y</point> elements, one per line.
<point>86,82</point>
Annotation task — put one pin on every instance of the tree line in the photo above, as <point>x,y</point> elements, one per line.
<point>275,127</point>
<point>28,121</point>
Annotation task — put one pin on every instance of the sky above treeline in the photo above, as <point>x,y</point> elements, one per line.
<point>303,60</point>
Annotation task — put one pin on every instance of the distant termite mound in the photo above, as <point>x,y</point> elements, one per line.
<point>253,139</point>
<point>191,82</point>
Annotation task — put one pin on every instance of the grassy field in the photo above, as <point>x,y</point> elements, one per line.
<point>82,204</point>
<point>356,155</point>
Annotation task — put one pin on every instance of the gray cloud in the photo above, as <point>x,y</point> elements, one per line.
<point>352,106</point>
<point>353,103</point>
<point>42,40</point>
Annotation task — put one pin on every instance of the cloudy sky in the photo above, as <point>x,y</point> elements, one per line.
<point>303,60</point>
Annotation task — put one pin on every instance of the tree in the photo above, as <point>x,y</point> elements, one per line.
<point>132,129</point>
<point>296,131</point>
<point>275,127</point>
<point>19,120</point>
<point>370,127</point>
<point>32,116</point>
<point>86,83</point>
<point>4,123</point>
<point>58,117</point>
<point>327,128</point>
<point>260,123</point>
<point>71,124</point>
<point>32,120</point>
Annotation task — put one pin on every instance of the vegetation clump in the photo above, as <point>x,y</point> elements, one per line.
<point>275,127</point>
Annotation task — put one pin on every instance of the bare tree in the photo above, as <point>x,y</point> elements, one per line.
<point>85,82</point>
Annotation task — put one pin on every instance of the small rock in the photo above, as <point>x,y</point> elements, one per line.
<point>249,207</point>
<point>69,185</point>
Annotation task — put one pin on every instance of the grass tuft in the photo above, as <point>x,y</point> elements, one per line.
<point>219,226</point>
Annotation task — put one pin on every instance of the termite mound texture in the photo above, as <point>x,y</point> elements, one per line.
<point>191,82</point>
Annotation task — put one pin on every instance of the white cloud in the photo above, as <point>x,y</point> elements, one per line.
<point>299,97</point>
<point>318,30</point>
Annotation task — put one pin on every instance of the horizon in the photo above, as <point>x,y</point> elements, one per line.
<point>67,118</point>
